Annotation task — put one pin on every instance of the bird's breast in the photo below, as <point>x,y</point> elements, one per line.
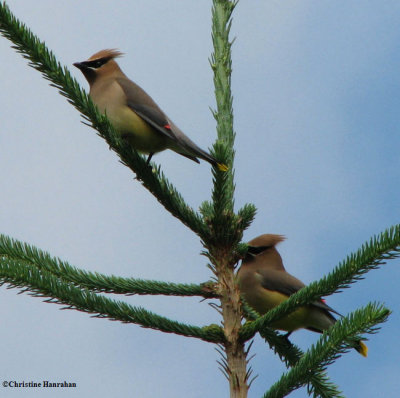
<point>111,100</point>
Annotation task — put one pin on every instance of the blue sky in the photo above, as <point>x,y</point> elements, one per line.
<point>316,100</point>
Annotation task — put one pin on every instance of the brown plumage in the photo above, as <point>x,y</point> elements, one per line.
<point>133,112</point>
<point>264,284</point>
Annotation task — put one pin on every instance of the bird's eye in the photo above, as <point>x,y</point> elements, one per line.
<point>98,63</point>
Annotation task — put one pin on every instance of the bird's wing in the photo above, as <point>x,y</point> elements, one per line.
<point>279,281</point>
<point>287,284</point>
<point>144,106</point>
<point>321,304</point>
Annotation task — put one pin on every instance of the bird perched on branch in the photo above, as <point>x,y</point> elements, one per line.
<point>264,284</point>
<point>133,112</point>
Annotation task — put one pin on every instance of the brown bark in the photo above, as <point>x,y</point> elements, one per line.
<point>235,362</point>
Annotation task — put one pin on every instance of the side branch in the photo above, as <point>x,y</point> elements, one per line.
<point>319,384</point>
<point>329,347</point>
<point>96,282</point>
<point>43,284</point>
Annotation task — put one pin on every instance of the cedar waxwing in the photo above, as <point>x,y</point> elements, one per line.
<point>133,112</point>
<point>264,284</point>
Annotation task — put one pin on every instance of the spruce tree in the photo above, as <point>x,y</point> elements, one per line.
<point>218,225</point>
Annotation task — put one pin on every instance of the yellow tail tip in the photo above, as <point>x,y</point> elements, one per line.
<point>222,167</point>
<point>363,349</point>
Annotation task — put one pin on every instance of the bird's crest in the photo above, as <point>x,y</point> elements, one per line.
<point>266,240</point>
<point>107,53</point>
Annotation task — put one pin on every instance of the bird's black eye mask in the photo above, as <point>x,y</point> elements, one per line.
<point>96,63</point>
<point>254,250</point>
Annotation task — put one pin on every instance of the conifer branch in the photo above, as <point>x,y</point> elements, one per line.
<point>331,345</point>
<point>319,384</point>
<point>245,216</point>
<point>43,60</point>
<point>370,256</point>
<point>95,282</point>
<point>223,221</point>
<point>44,284</point>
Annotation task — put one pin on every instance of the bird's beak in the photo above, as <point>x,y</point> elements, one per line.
<point>80,65</point>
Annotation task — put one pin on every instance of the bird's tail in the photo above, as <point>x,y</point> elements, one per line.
<point>222,167</point>
<point>193,152</point>
<point>356,342</point>
<point>360,347</point>
<point>186,147</point>
<point>208,158</point>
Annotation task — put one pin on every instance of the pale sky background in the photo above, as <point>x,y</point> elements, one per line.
<point>316,88</point>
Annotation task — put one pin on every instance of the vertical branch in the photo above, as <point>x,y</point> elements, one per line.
<point>221,64</point>
<point>223,222</point>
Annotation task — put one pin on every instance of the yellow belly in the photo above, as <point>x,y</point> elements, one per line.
<point>136,131</point>
<point>263,300</point>
<point>295,320</point>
